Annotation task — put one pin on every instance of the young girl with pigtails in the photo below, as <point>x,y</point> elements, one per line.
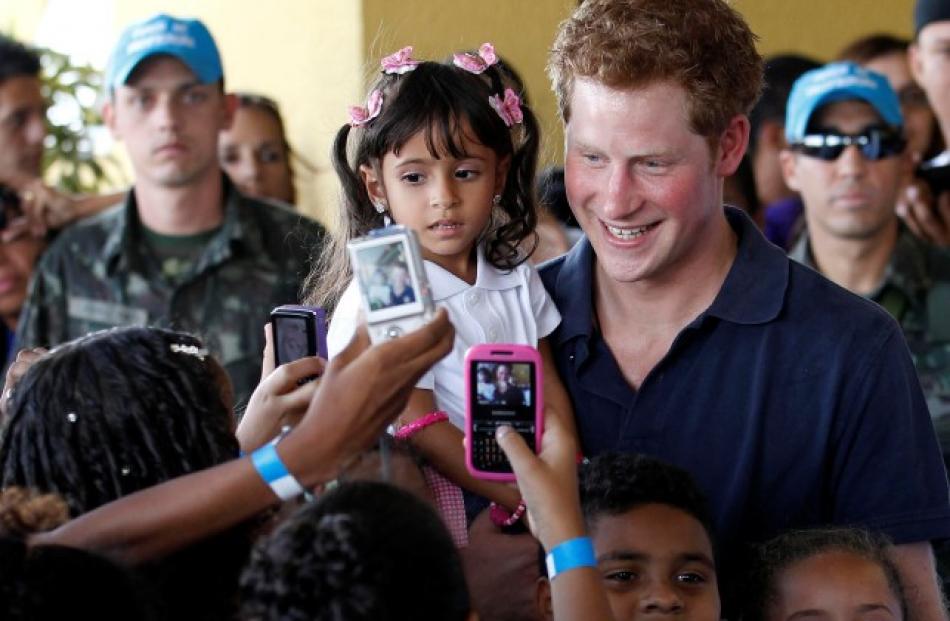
<point>449,151</point>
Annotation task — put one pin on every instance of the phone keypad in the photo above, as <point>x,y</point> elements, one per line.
<point>486,454</point>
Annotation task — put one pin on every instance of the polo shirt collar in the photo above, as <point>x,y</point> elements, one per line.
<point>754,289</point>
<point>575,292</point>
<point>753,292</point>
<point>444,284</point>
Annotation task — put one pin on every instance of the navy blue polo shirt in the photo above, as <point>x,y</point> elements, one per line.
<point>793,402</point>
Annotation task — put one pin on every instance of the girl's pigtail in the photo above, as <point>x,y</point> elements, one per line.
<point>331,272</point>
<point>505,248</point>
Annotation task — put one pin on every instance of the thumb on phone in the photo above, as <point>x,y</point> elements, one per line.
<point>267,362</point>
<point>516,449</point>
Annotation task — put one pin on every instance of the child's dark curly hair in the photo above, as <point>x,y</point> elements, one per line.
<point>614,483</point>
<point>778,554</point>
<point>112,413</point>
<point>366,550</point>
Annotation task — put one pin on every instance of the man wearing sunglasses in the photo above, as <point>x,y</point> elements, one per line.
<point>847,157</point>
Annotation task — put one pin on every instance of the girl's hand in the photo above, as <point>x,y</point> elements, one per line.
<point>548,481</point>
<point>280,399</point>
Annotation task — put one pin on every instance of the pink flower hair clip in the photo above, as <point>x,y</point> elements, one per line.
<point>360,115</point>
<point>509,108</point>
<point>476,64</point>
<point>399,63</point>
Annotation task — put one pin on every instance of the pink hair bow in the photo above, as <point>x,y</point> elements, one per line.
<point>476,64</point>
<point>360,115</point>
<point>509,108</point>
<point>401,62</point>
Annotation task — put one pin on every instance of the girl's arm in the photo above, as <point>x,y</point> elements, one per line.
<point>361,392</point>
<point>549,483</point>
<point>442,445</point>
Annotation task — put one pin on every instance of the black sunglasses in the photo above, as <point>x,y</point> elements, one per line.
<point>875,144</point>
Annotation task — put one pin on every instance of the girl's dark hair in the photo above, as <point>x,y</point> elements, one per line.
<point>47,583</point>
<point>366,550</point>
<point>112,413</point>
<point>777,555</point>
<point>118,411</point>
<point>443,101</point>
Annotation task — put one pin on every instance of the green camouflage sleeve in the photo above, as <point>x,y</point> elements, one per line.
<point>43,318</point>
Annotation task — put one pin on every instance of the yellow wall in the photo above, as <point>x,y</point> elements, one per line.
<point>315,56</point>
<point>306,54</point>
<point>821,28</point>
<point>521,31</point>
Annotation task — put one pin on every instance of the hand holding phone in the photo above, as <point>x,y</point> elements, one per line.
<point>503,387</point>
<point>388,267</point>
<point>299,331</point>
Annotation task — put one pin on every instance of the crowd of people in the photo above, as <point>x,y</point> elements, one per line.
<point>743,327</point>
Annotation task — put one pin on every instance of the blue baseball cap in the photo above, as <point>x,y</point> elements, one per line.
<point>834,82</point>
<point>188,40</point>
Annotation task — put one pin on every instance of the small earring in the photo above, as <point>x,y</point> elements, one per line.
<point>380,206</point>
<point>496,200</point>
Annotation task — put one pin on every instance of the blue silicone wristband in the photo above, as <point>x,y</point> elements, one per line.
<point>570,554</point>
<point>274,472</point>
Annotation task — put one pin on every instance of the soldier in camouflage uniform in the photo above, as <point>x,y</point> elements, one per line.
<point>849,162</point>
<point>185,250</point>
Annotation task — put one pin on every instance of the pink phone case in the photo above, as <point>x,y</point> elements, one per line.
<point>500,352</point>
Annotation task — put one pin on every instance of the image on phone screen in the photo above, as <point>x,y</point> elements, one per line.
<point>385,276</point>
<point>503,394</point>
<point>293,341</point>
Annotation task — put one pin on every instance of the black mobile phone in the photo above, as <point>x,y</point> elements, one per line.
<point>502,388</point>
<point>299,331</point>
<point>936,172</point>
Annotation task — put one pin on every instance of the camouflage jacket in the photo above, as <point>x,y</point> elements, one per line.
<point>916,292</point>
<point>99,274</point>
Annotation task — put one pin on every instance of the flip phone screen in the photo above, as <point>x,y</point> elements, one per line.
<point>299,332</point>
<point>388,266</point>
<point>503,394</point>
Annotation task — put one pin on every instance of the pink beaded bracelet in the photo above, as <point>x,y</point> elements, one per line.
<point>500,516</point>
<point>407,431</point>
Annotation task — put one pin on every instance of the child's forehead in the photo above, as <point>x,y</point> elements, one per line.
<point>652,530</point>
<point>835,580</point>
<point>441,140</point>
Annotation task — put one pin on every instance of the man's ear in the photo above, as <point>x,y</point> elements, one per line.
<point>229,107</point>
<point>542,594</point>
<point>908,163</point>
<point>108,117</point>
<point>373,183</point>
<point>733,142</point>
<point>789,163</point>
<point>915,62</point>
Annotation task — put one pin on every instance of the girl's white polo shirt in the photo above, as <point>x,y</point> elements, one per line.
<point>501,307</point>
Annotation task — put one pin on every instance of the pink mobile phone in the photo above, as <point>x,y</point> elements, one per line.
<point>502,387</point>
